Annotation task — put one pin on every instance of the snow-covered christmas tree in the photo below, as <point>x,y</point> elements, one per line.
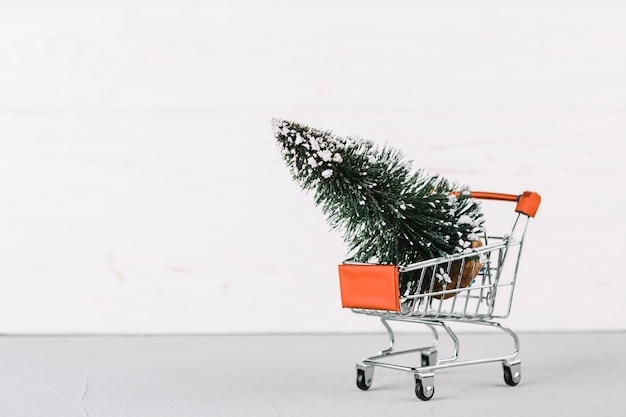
<point>387,212</point>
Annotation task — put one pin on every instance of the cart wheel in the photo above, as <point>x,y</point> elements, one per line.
<point>512,373</point>
<point>362,381</point>
<point>424,388</point>
<point>429,358</point>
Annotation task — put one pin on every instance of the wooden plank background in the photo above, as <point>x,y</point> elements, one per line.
<point>141,191</point>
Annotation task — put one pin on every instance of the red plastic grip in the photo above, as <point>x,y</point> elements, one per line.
<point>527,203</point>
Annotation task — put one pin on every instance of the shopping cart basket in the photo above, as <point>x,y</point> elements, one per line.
<point>475,287</point>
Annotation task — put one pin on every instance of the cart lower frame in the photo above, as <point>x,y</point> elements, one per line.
<point>430,360</point>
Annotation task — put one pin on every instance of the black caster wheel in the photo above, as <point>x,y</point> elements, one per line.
<point>424,390</point>
<point>362,381</point>
<point>512,374</point>
<point>429,358</point>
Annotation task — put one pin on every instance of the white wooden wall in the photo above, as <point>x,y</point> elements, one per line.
<point>141,191</point>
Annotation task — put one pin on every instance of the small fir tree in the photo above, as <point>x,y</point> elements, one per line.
<point>387,212</point>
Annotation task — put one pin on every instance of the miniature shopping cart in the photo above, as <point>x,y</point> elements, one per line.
<point>440,296</point>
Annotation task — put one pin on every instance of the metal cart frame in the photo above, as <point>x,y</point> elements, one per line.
<point>436,299</point>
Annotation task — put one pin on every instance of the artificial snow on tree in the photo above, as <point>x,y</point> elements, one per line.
<point>387,212</point>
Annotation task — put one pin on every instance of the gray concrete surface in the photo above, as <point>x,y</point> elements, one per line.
<point>568,374</point>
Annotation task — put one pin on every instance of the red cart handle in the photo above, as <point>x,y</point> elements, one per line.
<point>527,202</point>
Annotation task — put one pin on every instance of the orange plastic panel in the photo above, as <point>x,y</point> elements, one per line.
<point>369,286</point>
